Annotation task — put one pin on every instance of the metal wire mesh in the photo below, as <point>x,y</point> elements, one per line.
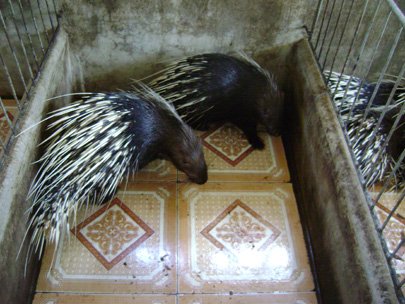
<point>26,32</point>
<point>360,48</point>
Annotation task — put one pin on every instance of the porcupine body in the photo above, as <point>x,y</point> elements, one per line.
<point>95,143</point>
<point>213,88</point>
<point>352,96</point>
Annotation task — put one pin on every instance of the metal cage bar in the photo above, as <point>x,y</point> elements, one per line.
<point>27,28</point>
<point>360,48</point>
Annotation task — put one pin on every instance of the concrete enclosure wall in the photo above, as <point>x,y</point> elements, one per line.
<point>16,284</point>
<point>114,41</point>
<point>119,40</point>
<point>348,255</point>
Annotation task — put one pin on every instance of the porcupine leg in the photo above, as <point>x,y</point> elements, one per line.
<point>249,128</point>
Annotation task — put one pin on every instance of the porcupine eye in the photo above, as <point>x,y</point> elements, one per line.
<point>186,162</point>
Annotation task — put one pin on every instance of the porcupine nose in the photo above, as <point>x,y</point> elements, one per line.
<point>201,177</point>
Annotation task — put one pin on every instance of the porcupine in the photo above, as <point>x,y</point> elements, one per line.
<point>98,140</point>
<point>353,97</point>
<point>213,88</point>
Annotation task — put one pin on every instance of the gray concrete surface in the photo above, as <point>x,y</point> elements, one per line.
<point>118,40</point>
<point>349,260</point>
<point>15,287</point>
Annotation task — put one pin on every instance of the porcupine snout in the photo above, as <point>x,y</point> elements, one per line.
<point>198,173</point>
<point>193,163</point>
<point>186,153</point>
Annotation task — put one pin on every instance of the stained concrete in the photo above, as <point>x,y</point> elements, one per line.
<point>349,260</point>
<point>15,286</point>
<point>118,40</point>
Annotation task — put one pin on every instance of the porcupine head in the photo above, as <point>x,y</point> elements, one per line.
<point>183,148</point>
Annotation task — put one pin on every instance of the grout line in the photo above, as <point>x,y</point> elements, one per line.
<point>177,241</point>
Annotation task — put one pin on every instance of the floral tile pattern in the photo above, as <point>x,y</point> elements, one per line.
<point>4,125</point>
<point>112,232</point>
<point>230,157</point>
<point>5,118</point>
<point>239,226</point>
<point>235,239</point>
<point>387,202</point>
<point>121,247</point>
<point>393,233</point>
<point>241,237</point>
<point>229,143</point>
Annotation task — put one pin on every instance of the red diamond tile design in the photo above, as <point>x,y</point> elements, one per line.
<point>396,215</point>
<point>239,226</point>
<point>112,232</point>
<point>229,143</point>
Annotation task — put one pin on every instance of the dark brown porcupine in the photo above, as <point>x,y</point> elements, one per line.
<point>95,143</point>
<point>212,88</point>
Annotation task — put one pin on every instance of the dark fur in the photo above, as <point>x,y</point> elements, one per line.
<point>95,142</point>
<point>163,136</point>
<point>236,90</point>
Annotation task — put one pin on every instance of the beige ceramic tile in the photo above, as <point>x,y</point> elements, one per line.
<point>54,298</point>
<point>230,157</point>
<point>127,246</point>
<point>5,129</point>
<point>388,201</point>
<point>393,233</point>
<point>241,237</point>
<point>11,106</point>
<point>157,170</point>
<point>291,298</point>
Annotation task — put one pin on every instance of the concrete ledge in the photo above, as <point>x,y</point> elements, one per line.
<point>349,259</point>
<point>16,176</point>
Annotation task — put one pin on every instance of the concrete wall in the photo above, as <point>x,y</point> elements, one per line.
<point>16,286</point>
<point>348,255</point>
<point>34,29</point>
<point>120,40</point>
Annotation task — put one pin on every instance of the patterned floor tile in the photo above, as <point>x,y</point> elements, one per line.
<point>6,118</point>
<point>54,298</point>
<point>11,106</point>
<point>291,298</point>
<point>230,157</point>
<point>387,202</point>
<point>5,121</point>
<point>393,233</point>
<point>241,237</point>
<point>127,246</point>
<point>157,170</point>
<point>112,233</point>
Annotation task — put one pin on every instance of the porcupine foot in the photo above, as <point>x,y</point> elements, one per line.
<point>256,142</point>
<point>249,128</point>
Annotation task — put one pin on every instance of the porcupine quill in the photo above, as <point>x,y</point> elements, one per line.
<point>96,142</point>
<point>351,97</point>
<point>215,88</point>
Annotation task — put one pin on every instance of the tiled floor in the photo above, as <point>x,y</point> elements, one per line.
<point>236,239</point>
<point>394,230</point>
<point>5,131</point>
